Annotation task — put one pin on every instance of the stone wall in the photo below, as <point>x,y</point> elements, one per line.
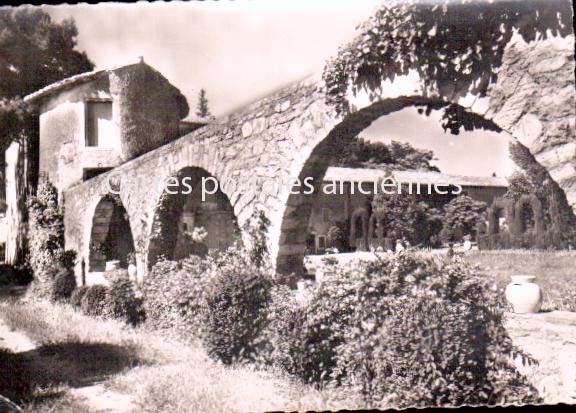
<point>534,99</point>
<point>289,134</point>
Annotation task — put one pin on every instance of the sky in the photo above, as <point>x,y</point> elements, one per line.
<point>241,51</point>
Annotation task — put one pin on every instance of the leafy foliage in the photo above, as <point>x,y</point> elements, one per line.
<point>362,153</point>
<point>121,302</point>
<point>256,229</point>
<point>407,217</point>
<point>455,46</point>
<point>463,215</point>
<point>174,292</point>
<point>36,53</point>
<point>235,304</point>
<point>93,301</point>
<point>63,285</point>
<point>77,294</point>
<point>46,232</point>
<point>406,330</point>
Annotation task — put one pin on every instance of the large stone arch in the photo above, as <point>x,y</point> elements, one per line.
<point>327,143</point>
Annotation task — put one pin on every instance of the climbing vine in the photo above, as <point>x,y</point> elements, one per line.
<point>455,46</point>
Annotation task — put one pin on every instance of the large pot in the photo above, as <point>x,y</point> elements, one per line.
<point>112,265</point>
<point>523,294</point>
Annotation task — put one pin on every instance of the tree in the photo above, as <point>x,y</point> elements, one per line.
<point>203,111</point>
<point>521,184</point>
<point>462,215</point>
<point>35,52</point>
<point>407,217</point>
<point>397,155</point>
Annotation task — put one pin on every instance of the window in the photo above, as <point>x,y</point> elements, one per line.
<point>98,122</point>
<point>321,242</point>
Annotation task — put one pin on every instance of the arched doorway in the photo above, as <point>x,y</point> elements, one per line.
<point>191,221</point>
<point>111,235</point>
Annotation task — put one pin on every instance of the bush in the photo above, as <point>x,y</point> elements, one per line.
<point>93,303</point>
<point>284,342</point>
<point>173,294</point>
<point>121,302</point>
<point>46,232</point>
<point>63,285</point>
<point>406,330</point>
<point>77,294</point>
<point>235,306</point>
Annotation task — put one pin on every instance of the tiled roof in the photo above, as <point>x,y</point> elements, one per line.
<point>73,81</point>
<point>411,176</point>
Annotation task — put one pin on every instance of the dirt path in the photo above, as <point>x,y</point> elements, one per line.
<point>97,397</point>
<point>551,339</point>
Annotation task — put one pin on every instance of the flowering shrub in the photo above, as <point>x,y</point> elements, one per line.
<point>406,330</point>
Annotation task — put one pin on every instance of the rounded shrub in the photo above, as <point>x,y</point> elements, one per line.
<point>77,294</point>
<point>235,307</point>
<point>121,302</point>
<point>93,303</point>
<point>63,285</point>
<point>173,294</point>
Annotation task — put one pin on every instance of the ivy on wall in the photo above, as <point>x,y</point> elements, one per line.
<point>455,46</point>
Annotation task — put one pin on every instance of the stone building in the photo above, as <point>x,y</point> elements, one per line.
<point>92,122</point>
<point>340,207</point>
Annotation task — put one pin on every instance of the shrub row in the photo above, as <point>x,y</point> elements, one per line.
<point>548,240</point>
<point>117,301</point>
<point>406,330</point>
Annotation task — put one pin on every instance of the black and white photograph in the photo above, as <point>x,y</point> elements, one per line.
<point>287,205</point>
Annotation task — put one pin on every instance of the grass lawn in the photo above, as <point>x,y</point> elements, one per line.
<point>555,272</point>
<point>77,355</point>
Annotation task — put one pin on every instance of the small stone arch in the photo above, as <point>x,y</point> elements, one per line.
<point>500,208</point>
<point>110,235</point>
<point>184,213</point>
<point>533,205</point>
<point>376,227</point>
<point>359,229</point>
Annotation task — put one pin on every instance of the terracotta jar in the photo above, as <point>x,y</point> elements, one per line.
<point>523,294</point>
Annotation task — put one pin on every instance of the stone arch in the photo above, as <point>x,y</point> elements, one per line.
<point>500,208</point>
<point>532,205</point>
<point>110,234</point>
<point>183,213</point>
<point>359,229</point>
<point>333,135</point>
